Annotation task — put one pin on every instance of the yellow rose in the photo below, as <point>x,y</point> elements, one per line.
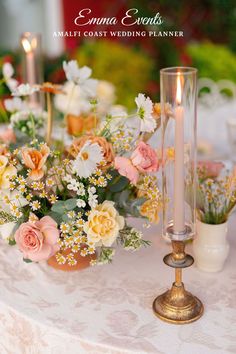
<point>6,172</point>
<point>104,224</point>
<point>150,209</point>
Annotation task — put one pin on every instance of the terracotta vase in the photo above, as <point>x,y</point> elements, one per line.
<point>82,262</point>
<point>77,125</point>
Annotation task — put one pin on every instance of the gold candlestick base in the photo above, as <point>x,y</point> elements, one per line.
<point>178,305</point>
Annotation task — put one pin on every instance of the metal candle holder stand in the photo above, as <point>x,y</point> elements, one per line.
<point>177,305</point>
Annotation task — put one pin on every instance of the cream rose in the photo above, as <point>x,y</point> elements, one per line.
<point>104,224</point>
<point>6,172</point>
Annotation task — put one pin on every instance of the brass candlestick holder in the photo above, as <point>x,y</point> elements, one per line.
<point>178,305</point>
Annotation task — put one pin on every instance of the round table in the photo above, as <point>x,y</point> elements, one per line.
<point>108,309</point>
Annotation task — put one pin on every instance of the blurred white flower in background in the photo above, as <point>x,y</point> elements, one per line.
<point>38,113</point>
<point>144,112</point>
<point>25,90</point>
<point>8,72</point>
<point>73,101</point>
<point>105,93</point>
<point>80,77</point>
<point>14,104</point>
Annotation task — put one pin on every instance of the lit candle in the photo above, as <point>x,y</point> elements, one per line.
<point>179,200</point>
<point>30,61</point>
<point>29,47</point>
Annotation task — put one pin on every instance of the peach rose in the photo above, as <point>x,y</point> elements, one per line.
<point>144,158</point>
<point>150,209</point>
<point>6,171</point>
<point>35,160</point>
<point>210,169</point>
<point>125,168</point>
<point>107,149</point>
<point>38,241</point>
<point>104,224</point>
<point>8,136</point>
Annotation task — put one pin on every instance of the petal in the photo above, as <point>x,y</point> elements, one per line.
<point>7,70</point>
<point>42,255</point>
<point>48,221</point>
<point>51,235</point>
<point>35,175</point>
<point>27,159</point>
<point>84,73</point>
<point>9,172</point>
<point>12,84</point>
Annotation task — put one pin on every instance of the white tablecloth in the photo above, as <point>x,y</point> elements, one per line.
<point>108,309</point>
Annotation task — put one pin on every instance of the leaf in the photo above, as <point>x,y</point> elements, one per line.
<point>56,216</point>
<point>26,260</point>
<point>59,207</point>
<point>65,218</point>
<point>11,242</point>
<point>70,204</point>
<point>119,184</point>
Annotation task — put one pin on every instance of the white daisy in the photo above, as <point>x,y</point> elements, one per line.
<point>145,109</point>
<point>80,76</point>
<point>25,90</point>
<point>7,195</point>
<point>87,160</point>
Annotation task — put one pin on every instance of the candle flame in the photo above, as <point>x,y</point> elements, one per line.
<point>26,45</point>
<point>179,90</point>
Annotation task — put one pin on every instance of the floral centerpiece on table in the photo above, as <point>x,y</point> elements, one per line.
<point>216,193</point>
<point>73,203</point>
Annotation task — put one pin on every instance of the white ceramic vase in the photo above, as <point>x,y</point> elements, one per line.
<point>210,246</point>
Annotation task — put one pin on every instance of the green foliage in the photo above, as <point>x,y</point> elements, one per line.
<point>61,206</point>
<point>12,242</point>
<point>213,60</point>
<point>118,184</point>
<point>129,69</point>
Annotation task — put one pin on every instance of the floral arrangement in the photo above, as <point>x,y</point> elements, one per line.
<point>216,193</point>
<point>74,201</point>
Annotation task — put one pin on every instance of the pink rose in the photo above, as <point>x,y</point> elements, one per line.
<point>144,158</point>
<point>8,136</point>
<point>38,241</point>
<point>126,168</point>
<point>211,169</point>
